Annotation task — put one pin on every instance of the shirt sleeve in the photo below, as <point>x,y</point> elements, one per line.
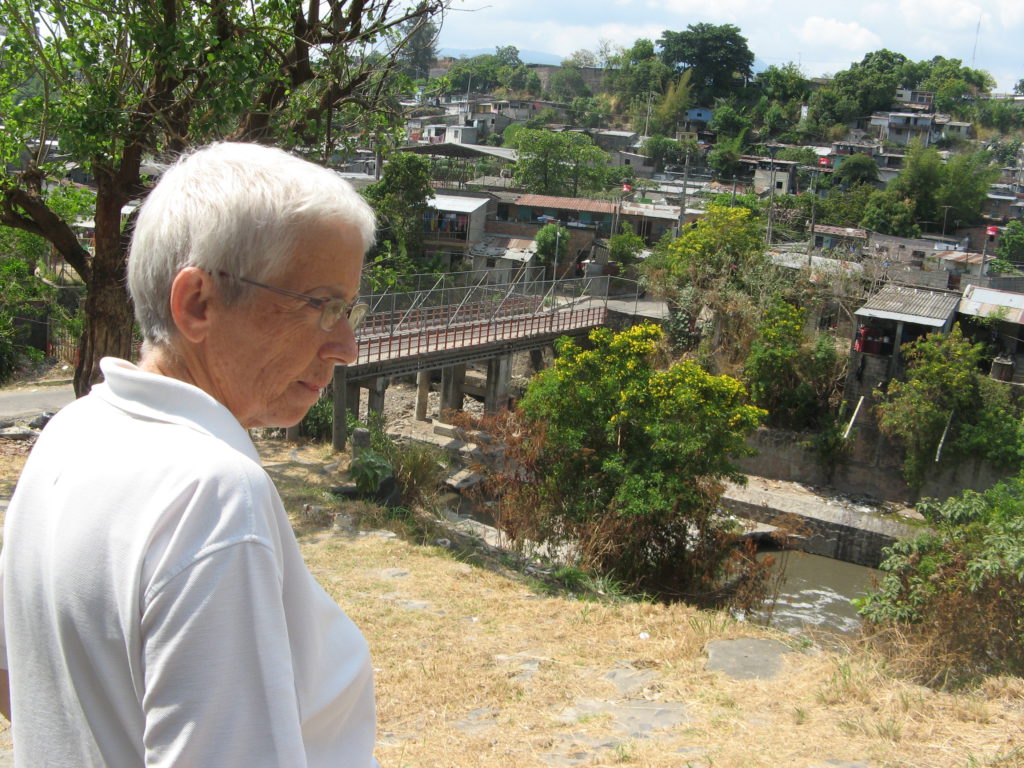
<point>219,685</point>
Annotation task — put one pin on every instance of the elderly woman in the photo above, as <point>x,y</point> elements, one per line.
<point>156,610</point>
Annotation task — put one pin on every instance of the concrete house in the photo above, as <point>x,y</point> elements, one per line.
<point>452,225</point>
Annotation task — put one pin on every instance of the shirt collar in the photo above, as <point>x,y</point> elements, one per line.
<point>161,398</point>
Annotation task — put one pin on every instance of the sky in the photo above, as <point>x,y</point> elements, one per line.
<point>822,37</point>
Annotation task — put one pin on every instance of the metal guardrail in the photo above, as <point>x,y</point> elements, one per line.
<point>446,317</point>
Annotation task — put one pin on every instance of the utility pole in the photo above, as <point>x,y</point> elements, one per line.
<point>682,201</point>
<point>945,213</point>
<point>814,199</point>
<point>771,196</point>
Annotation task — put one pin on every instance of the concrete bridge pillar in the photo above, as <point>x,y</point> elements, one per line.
<point>537,360</point>
<point>422,391</point>
<point>452,380</point>
<point>341,391</point>
<point>499,374</point>
<point>375,401</point>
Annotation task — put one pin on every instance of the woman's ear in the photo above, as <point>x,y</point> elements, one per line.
<point>192,291</point>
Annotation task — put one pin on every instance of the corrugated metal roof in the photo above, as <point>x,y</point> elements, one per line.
<point>911,305</point>
<point>988,302</point>
<point>566,203</point>
<point>511,248</point>
<point>456,204</point>
<point>825,229</point>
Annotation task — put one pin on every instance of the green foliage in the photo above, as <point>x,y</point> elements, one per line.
<point>552,243</point>
<point>671,108</point>
<point>557,163</point>
<point>724,158</point>
<point>885,212</point>
<point>625,247</point>
<point>788,374</point>
<point>567,84</point>
<point>856,169</point>
<point>400,199</point>
<point>1011,243</point>
<point>961,184</point>
<point>318,423</point>
<point>728,122</point>
<point>958,591</point>
<point>944,386</point>
<point>637,453</point>
<point>784,84</point>
<point>22,297</point>
<point>717,55</point>
<point>636,74</point>
<point>369,469</point>
<point>867,86</point>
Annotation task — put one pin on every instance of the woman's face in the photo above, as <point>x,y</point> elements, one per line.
<point>269,358</point>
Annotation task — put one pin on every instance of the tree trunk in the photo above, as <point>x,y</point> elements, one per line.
<point>108,310</point>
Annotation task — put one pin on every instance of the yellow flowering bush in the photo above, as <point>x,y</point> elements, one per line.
<point>633,458</point>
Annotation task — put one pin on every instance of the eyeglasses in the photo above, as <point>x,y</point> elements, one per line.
<point>331,310</point>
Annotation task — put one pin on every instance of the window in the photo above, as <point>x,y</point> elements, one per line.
<point>492,263</point>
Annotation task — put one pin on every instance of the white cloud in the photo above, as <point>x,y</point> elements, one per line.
<point>826,34</point>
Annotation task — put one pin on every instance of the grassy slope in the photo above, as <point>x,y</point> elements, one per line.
<point>474,668</point>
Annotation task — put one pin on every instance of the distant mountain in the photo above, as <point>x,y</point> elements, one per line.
<point>528,57</point>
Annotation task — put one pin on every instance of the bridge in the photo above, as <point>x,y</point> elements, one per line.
<point>464,318</point>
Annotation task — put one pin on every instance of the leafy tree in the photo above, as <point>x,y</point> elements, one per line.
<point>508,56</point>
<point>856,169</point>
<point>791,376</point>
<point>636,74</point>
<point>725,157</point>
<point>716,270</point>
<point>480,73</point>
<point>632,460</point>
<point>664,151</point>
<point>124,82</point>
<point>784,84</point>
<point>943,386</point>
<point>953,84</point>
<point>590,111</point>
<point>420,49</point>
<point>867,86</point>
<point>1011,243</point>
<point>400,199</point>
<point>557,163</point>
<point>672,107</point>
<point>728,122</point>
<point>845,208</point>
<point>965,186</point>
<point>956,592</point>
<point>625,247</point>
<point>715,53</point>
<point>920,180</point>
<point>581,58</point>
<point>888,214</point>
<point>552,245</point>
<point>566,83</point>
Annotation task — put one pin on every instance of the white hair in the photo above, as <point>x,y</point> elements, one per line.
<point>234,208</point>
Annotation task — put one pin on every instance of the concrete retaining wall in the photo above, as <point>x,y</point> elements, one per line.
<point>872,469</point>
<point>823,528</point>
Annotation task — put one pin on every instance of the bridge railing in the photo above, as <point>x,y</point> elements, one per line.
<point>443,307</point>
<point>445,337</point>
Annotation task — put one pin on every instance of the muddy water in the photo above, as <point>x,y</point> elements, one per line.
<point>817,592</point>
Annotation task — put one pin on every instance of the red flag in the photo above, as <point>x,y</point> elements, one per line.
<point>626,188</point>
<point>992,231</point>
<point>823,160</point>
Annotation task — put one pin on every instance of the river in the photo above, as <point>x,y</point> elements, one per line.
<point>817,593</point>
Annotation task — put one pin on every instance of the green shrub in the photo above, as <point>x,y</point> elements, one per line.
<point>369,469</point>
<point>957,592</point>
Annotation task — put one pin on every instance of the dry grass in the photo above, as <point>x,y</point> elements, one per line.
<point>475,668</point>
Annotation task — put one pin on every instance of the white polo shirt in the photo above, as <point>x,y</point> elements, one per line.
<point>156,609</point>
